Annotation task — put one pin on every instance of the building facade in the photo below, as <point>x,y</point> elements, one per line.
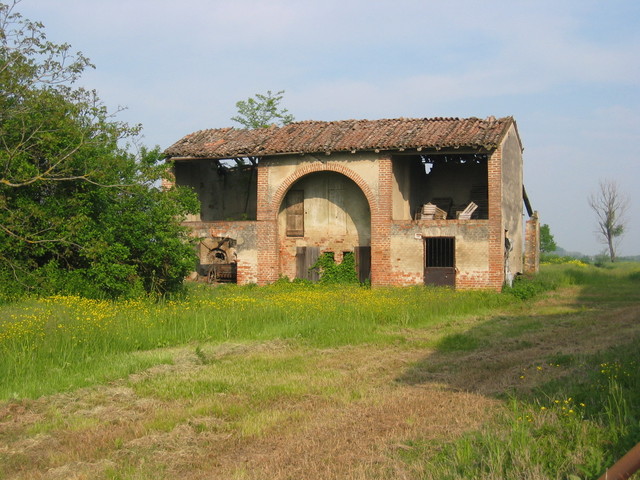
<point>416,201</point>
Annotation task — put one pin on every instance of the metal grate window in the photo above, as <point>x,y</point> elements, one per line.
<point>440,252</point>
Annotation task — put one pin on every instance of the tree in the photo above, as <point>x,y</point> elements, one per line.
<point>262,111</point>
<point>78,212</point>
<point>610,206</point>
<point>547,242</point>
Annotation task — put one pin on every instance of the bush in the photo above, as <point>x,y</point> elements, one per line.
<point>336,273</point>
<point>525,287</point>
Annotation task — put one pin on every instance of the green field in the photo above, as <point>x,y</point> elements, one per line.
<point>309,381</point>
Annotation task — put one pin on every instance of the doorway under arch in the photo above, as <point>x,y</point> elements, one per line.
<point>321,212</point>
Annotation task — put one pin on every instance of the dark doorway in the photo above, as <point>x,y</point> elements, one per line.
<point>363,263</point>
<point>440,261</point>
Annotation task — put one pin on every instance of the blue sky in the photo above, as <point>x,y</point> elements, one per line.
<point>567,71</point>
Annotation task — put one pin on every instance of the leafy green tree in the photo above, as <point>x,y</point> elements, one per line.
<point>262,111</point>
<point>547,242</point>
<point>78,212</point>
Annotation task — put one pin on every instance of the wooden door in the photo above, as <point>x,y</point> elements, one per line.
<point>295,213</point>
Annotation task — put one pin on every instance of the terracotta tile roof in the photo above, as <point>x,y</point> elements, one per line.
<point>343,136</point>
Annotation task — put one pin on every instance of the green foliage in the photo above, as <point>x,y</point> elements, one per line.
<point>590,419</point>
<point>552,259</point>
<point>262,111</point>
<point>65,333</point>
<point>336,273</point>
<point>79,213</point>
<point>525,287</point>
<point>547,242</point>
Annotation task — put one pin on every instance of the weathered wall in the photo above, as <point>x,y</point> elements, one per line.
<point>224,193</point>
<point>336,218</point>
<point>277,176</point>
<point>471,240</point>
<point>369,199</point>
<point>532,245</point>
<point>512,201</point>
<point>402,188</point>
<point>246,244</point>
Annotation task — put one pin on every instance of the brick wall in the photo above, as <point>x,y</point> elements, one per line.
<point>267,228</point>
<point>390,265</point>
<point>471,241</point>
<point>270,197</point>
<point>496,228</point>
<point>532,245</point>
<point>381,226</point>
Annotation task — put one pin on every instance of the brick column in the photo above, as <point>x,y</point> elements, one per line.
<point>496,229</point>
<point>532,245</point>
<point>267,230</point>
<point>381,226</point>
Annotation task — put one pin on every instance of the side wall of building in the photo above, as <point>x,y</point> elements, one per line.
<point>512,201</point>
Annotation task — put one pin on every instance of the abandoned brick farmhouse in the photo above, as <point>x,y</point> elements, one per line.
<point>436,201</point>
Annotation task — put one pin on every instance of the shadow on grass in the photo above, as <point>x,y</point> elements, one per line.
<point>580,350</point>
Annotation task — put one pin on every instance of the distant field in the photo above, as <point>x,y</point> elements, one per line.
<point>299,381</point>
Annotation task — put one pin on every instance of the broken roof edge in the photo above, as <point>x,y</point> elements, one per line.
<point>315,136</point>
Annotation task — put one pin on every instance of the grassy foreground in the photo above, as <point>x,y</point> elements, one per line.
<point>60,343</point>
<point>541,382</point>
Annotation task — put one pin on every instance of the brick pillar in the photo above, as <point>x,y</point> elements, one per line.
<point>532,245</point>
<point>496,229</point>
<point>381,226</point>
<point>267,229</point>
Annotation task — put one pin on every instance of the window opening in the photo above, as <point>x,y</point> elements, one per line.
<point>440,252</point>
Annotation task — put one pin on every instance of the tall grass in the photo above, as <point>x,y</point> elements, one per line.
<point>59,343</point>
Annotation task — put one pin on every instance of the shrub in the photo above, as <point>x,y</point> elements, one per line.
<point>336,273</point>
<point>525,287</point>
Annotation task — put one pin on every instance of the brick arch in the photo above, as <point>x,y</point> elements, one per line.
<point>288,182</point>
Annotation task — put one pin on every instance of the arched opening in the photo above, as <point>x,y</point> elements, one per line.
<point>323,211</point>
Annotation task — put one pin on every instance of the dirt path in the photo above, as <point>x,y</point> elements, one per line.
<point>374,402</point>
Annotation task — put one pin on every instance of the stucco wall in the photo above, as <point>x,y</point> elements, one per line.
<point>512,201</point>
<point>402,188</point>
<point>336,218</point>
<point>471,250</point>
<point>224,193</point>
<point>283,167</point>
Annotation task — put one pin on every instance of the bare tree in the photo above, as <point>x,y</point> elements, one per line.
<point>610,206</point>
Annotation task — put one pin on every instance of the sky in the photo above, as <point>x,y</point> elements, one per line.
<point>568,72</point>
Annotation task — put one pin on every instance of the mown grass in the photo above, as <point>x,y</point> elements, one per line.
<point>569,428</point>
<point>574,430</point>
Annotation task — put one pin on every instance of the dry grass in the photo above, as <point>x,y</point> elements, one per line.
<point>342,413</point>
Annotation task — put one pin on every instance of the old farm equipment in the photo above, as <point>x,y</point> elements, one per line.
<point>219,263</point>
